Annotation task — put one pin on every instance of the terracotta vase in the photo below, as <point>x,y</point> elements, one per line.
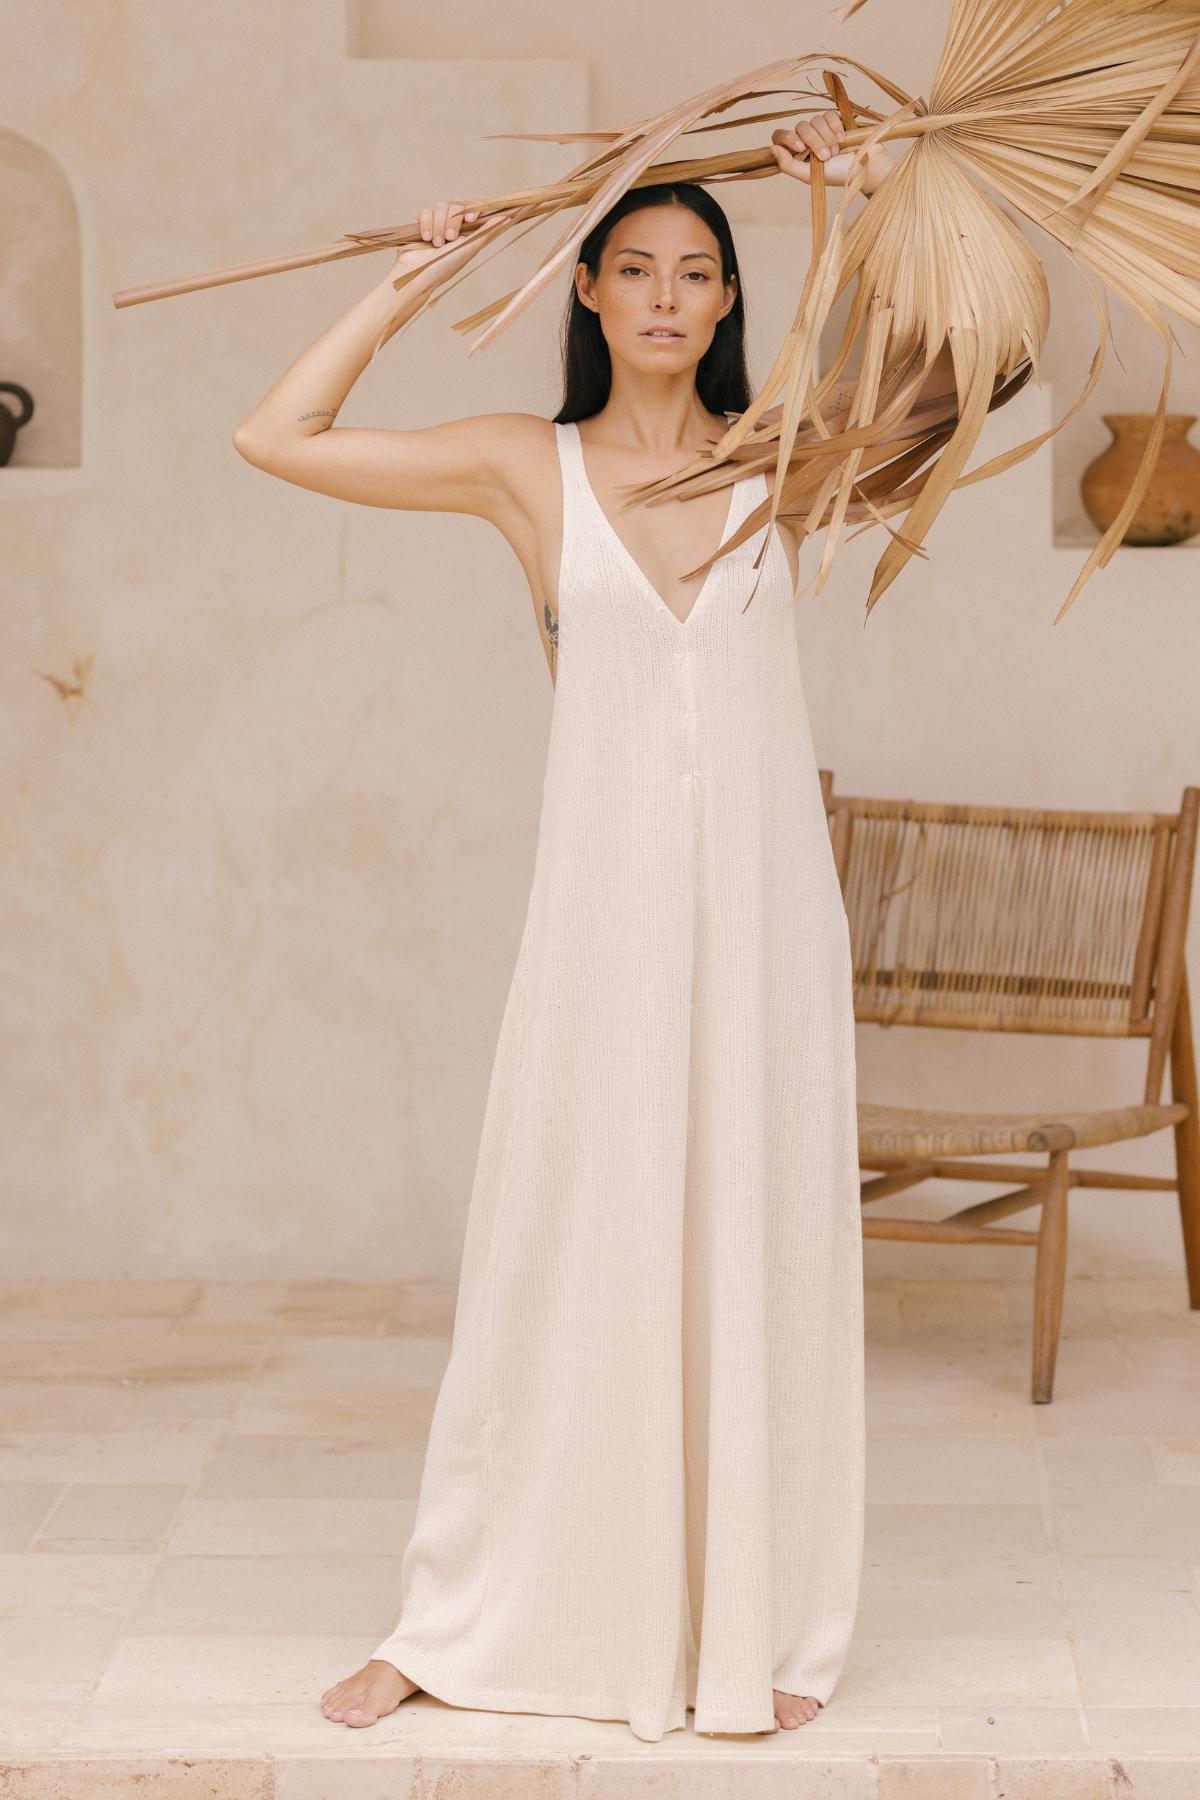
<point>1169,510</point>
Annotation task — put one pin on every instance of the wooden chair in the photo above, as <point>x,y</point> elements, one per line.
<point>990,918</point>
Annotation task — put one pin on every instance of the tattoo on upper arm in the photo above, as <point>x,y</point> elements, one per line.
<point>551,620</point>
<point>316,415</point>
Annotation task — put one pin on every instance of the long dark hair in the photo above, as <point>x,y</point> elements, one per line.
<point>722,379</point>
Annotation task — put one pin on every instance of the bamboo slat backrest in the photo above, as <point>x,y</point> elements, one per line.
<point>1004,918</point>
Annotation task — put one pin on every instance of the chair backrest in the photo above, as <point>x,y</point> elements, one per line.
<point>1007,918</point>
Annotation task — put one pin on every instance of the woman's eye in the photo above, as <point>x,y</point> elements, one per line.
<point>633,269</point>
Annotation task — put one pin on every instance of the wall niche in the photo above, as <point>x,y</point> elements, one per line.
<point>41,344</point>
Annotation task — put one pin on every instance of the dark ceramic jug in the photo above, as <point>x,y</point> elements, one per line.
<point>10,423</point>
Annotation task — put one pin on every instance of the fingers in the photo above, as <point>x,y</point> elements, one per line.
<point>440,222</point>
<point>823,132</point>
<point>820,136</point>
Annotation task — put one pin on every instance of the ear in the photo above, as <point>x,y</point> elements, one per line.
<point>582,277</point>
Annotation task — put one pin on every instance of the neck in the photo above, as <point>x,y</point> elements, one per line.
<point>658,415</point>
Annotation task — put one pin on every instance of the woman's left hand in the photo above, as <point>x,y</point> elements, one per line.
<point>821,134</point>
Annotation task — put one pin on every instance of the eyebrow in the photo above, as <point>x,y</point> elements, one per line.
<point>630,251</point>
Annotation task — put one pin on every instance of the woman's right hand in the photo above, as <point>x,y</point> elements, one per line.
<point>440,226</point>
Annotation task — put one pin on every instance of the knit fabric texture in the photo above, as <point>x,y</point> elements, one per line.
<point>643,1485</point>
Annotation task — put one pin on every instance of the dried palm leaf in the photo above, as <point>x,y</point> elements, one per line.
<point>1081,115</point>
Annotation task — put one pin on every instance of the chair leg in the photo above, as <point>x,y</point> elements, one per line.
<point>1187,1138</point>
<point>1050,1277</point>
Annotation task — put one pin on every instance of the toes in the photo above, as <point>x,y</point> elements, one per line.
<point>342,1705</point>
<point>799,1713</point>
<point>359,1715</point>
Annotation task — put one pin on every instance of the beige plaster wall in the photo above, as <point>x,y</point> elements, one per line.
<point>272,763</point>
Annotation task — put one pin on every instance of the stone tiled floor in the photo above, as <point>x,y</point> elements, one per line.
<point>205,1492</point>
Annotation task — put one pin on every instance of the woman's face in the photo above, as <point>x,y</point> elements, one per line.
<point>660,271</point>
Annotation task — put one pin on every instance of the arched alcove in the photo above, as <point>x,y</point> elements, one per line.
<point>42,344</point>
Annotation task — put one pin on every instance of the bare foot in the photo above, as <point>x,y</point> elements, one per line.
<point>794,1709</point>
<point>375,1689</point>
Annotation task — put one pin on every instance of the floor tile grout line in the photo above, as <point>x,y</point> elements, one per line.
<point>189,1492</point>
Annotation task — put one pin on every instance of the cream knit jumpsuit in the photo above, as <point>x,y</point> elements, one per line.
<point>643,1488</point>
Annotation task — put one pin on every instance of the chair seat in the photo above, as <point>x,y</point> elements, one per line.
<point>912,1132</point>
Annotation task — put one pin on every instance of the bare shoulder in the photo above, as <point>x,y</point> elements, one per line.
<point>501,466</point>
<point>522,458</point>
<point>840,395</point>
<point>495,465</point>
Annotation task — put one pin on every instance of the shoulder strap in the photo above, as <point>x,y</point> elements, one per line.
<point>570,454</point>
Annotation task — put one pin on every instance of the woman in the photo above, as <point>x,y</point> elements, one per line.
<point>652,1412</point>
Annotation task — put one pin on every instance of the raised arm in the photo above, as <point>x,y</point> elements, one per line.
<point>456,467</point>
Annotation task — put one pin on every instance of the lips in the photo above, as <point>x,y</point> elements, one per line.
<point>662,334</point>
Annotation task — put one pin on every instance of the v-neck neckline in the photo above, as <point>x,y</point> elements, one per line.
<point>618,540</point>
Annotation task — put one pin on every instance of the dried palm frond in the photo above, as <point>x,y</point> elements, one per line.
<point>1081,115</point>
